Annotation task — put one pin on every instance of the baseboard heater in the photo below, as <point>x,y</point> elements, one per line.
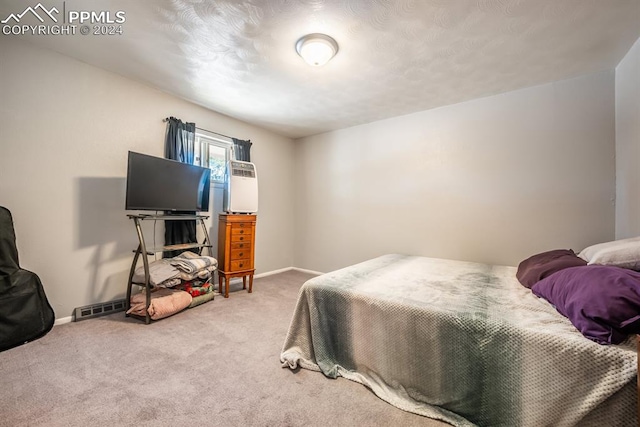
<point>100,309</point>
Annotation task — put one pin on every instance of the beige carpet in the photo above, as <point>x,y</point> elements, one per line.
<point>214,365</point>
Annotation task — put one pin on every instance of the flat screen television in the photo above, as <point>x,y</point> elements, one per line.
<point>158,184</point>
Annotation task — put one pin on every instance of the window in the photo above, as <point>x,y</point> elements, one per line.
<point>213,152</point>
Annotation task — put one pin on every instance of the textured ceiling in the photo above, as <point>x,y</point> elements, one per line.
<point>395,58</point>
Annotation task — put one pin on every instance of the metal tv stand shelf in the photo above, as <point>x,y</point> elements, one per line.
<point>142,249</point>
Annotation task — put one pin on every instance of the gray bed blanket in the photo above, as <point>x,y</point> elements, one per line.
<point>460,342</point>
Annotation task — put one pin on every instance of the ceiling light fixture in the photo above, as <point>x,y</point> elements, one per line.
<point>316,49</point>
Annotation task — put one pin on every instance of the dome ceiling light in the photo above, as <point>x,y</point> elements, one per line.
<point>316,49</point>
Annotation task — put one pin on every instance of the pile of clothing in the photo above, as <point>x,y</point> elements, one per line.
<point>170,272</point>
<point>200,292</point>
<point>188,275</point>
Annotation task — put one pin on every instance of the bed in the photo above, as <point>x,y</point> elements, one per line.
<point>460,342</point>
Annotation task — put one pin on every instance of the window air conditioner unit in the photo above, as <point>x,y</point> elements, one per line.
<point>241,192</point>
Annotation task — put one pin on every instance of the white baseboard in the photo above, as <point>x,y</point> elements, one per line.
<point>272,272</point>
<point>63,320</point>
<point>304,270</point>
<point>69,319</point>
<point>282,270</point>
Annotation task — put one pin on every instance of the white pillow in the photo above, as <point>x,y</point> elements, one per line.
<point>623,253</point>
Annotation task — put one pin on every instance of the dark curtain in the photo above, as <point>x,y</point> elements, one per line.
<point>180,141</point>
<point>242,149</point>
<point>179,145</point>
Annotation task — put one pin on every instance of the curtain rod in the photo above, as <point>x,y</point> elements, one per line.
<point>166,119</point>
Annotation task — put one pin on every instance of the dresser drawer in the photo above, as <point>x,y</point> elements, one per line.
<point>239,229</point>
<point>236,238</point>
<point>241,264</point>
<point>241,245</point>
<point>242,253</point>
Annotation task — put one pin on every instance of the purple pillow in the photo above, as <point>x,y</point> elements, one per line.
<point>535,268</point>
<point>602,302</point>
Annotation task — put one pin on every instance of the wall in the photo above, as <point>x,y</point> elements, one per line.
<point>628,144</point>
<point>67,127</point>
<point>491,180</point>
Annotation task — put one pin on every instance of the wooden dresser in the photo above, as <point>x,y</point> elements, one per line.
<point>236,246</point>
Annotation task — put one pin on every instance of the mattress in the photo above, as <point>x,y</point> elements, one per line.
<point>460,342</point>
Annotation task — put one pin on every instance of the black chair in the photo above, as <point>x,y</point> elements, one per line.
<point>25,313</point>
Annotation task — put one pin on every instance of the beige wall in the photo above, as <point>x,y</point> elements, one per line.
<point>491,180</point>
<point>628,144</point>
<point>67,127</point>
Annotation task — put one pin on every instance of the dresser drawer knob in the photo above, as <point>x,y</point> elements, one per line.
<point>241,265</point>
<point>242,245</point>
<point>240,254</point>
<point>242,238</point>
<point>241,231</point>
